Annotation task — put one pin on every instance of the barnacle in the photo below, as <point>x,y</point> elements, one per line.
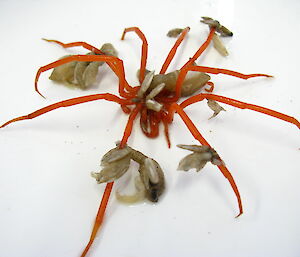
<point>81,74</point>
<point>219,46</point>
<point>224,32</point>
<point>213,105</point>
<point>191,84</point>
<point>174,32</point>
<point>116,163</point>
<point>200,156</point>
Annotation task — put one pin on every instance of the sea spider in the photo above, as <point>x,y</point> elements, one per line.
<point>156,100</point>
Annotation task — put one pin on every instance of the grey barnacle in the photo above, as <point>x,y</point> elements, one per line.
<point>200,156</point>
<point>116,163</point>
<point>224,32</point>
<point>153,179</point>
<point>81,74</point>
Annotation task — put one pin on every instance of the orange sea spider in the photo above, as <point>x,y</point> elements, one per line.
<point>156,99</point>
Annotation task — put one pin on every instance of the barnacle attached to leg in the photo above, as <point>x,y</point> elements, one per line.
<point>213,105</point>
<point>221,30</point>
<point>192,83</point>
<point>81,74</point>
<point>174,32</point>
<point>116,162</point>
<point>151,175</point>
<point>201,155</point>
<point>219,46</point>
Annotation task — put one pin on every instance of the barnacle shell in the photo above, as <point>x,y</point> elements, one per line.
<point>114,154</point>
<point>153,105</point>
<point>224,32</point>
<point>155,91</point>
<point>64,73</point>
<point>151,174</point>
<point>115,163</point>
<point>109,49</point>
<point>80,74</point>
<point>200,156</point>
<point>194,160</point>
<point>213,105</point>
<point>174,32</point>
<point>219,46</point>
<point>191,84</point>
<point>195,148</point>
<point>145,84</point>
<point>153,179</point>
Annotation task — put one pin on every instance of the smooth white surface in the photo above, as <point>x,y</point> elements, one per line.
<point>48,200</point>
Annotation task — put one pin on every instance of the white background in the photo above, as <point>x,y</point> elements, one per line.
<point>48,200</point>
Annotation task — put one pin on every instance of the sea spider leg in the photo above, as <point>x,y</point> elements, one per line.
<point>99,217</point>
<point>74,44</point>
<point>173,51</point>
<point>144,50</point>
<point>196,134</point>
<point>165,121</point>
<point>184,71</point>
<point>117,67</point>
<point>93,49</point>
<point>67,103</point>
<point>109,186</point>
<point>129,125</point>
<point>226,72</point>
<point>201,49</point>
<point>241,105</point>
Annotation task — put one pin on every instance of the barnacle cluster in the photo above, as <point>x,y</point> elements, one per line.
<point>81,74</point>
<point>116,162</point>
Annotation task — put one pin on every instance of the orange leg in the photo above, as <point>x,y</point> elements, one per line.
<point>184,71</point>
<point>129,125</point>
<point>201,49</point>
<point>67,103</point>
<point>241,105</point>
<point>99,217</point>
<point>227,72</point>
<point>144,49</point>
<point>91,48</point>
<point>164,118</point>
<point>126,109</point>
<point>108,188</point>
<point>117,67</point>
<point>173,51</point>
<point>212,86</point>
<point>196,134</point>
<point>73,44</point>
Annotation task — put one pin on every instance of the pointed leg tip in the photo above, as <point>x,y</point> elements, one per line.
<point>41,95</point>
<point>241,212</point>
